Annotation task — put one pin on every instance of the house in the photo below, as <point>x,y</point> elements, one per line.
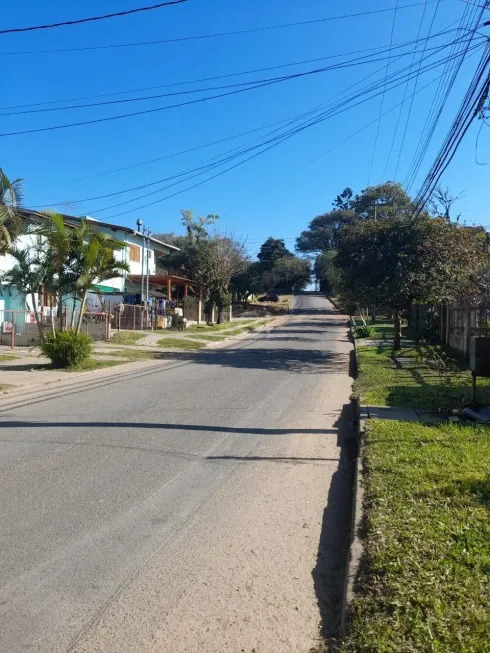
<point>141,254</point>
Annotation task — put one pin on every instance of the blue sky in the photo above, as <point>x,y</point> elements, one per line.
<point>276,193</point>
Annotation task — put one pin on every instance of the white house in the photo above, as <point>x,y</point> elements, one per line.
<point>141,253</point>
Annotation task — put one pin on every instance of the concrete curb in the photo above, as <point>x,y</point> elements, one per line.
<point>356,547</point>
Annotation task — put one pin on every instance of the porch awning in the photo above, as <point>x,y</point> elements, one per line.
<point>97,287</point>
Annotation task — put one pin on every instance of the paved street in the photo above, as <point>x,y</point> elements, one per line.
<point>200,506</point>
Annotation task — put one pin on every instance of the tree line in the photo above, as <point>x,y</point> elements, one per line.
<point>220,263</point>
<point>375,249</point>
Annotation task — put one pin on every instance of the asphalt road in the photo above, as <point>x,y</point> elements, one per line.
<point>201,506</point>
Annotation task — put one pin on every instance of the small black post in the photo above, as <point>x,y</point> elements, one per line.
<point>473,386</point>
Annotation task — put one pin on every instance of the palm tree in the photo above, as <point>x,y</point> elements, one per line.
<point>11,196</point>
<point>27,275</point>
<point>96,261</point>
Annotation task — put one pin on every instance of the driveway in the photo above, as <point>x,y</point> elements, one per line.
<point>201,506</point>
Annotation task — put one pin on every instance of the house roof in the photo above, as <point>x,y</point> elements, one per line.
<point>28,213</point>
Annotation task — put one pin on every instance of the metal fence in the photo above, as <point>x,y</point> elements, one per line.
<point>19,328</point>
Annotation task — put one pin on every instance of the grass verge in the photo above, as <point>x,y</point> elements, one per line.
<point>218,327</point>
<point>384,330</point>
<point>407,379</point>
<point>92,364</point>
<point>127,337</point>
<point>5,386</point>
<point>7,357</point>
<point>208,337</point>
<point>179,343</point>
<point>425,576</point>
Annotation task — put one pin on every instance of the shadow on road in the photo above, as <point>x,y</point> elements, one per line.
<point>329,572</point>
<point>10,424</point>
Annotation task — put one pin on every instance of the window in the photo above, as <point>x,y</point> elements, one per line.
<point>134,253</point>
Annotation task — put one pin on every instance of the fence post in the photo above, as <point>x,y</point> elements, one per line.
<point>107,322</point>
<point>134,318</point>
<point>199,311</point>
<point>12,336</point>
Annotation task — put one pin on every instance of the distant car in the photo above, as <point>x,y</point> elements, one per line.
<point>269,298</point>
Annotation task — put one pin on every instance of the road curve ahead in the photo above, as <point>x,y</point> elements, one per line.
<point>200,507</point>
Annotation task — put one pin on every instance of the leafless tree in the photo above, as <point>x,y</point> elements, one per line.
<point>442,203</point>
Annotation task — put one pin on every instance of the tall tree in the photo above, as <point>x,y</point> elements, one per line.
<point>271,251</point>
<point>223,257</point>
<point>293,273</point>
<point>396,262</point>
<point>323,231</point>
<point>344,200</point>
<point>11,196</point>
<point>387,200</point>
<point>247,282</point>
<point>94,261</point>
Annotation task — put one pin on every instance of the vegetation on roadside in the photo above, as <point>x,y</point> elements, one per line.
<point>94,364</point>
<point>179,343</point>
<point>412,377</point>
<point>127,337</point>
<point>67,349</point>
<point>424,581</point>
<point>7,357</point>
<point>381,249</point>
<point>208,337</point>
<point>218,327</point>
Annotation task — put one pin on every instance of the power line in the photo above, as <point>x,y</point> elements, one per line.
<point>471,106</point>
<point>342,142</point>
<point>378,49</point>
<point>274,142</point>
<point>212,36</point>
<point>92,18</point>
<point>258,84</point>
<point>280,122</point>
<point>383,95</point>
<point>404,96</point>
<point>325,114</point>
<point>367,59</point>
<point>236,165</point>
<point>442,93</point>
<point>411,103</point>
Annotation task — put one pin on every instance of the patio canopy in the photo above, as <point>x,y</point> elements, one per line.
<point>166,281</point>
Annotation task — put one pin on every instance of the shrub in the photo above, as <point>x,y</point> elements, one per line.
<point>364,331</point>
<point>67,348</point>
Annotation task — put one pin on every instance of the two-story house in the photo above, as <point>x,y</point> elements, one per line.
<point>141,253</point>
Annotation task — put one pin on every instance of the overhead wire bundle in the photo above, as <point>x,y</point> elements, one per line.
<point>471,106</point>
<point>470,21</point>
<point>274,138</point>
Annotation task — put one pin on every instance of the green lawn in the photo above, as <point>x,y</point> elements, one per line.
<point>179,343</point>
<point>92,364</point>
<point>425,575</point>
<point>7,357</point>
<point>127,337</point>
<point>384,330</point>
<point>208,337</point>
<point>131,354</point>
<point>219,327</point>
<point>388,380</point>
